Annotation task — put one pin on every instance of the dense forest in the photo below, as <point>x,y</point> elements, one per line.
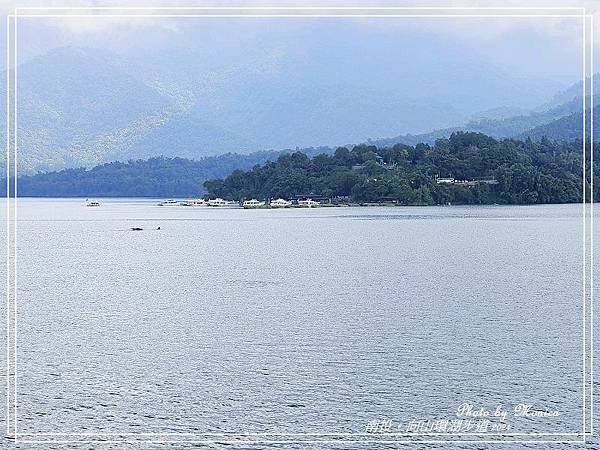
<point>155,177</point>
<point>485,171</point>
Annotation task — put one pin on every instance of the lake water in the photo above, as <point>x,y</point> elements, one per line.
<point>294,321</point>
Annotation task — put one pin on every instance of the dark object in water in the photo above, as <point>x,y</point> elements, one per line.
<point>158,228</point>
<point>136,229</point>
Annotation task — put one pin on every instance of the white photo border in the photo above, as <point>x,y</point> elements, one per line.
<point>292,438</point>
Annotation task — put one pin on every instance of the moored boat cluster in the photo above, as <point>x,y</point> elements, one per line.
<point>246,204</point>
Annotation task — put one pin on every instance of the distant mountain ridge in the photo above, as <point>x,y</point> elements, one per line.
<point>498,171</point>
<point>58,112</point>
<point>567,128</point>
<point>169,177</point>
<point>573,92</point>
<point>82,106</point>
<point>163,176</point>
<point>532,124</point>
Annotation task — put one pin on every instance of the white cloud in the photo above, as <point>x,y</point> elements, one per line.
<point>473,32</point>
<point>95,25</point>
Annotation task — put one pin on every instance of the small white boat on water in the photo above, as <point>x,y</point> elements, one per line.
<point>308,203</point>
<point>194,202</point>
<point>252,204</point>
<point>219,202</point>
<point>169,203</point>
<point>280,203</point>
<point>92,203</point>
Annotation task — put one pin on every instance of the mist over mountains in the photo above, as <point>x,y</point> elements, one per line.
<point>560,122</point>
<point>85,106</point>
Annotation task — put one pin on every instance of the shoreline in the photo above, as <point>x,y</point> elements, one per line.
<point>266,207</point>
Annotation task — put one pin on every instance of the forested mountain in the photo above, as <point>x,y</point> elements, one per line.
<point>489,171</point>
<point>575,91</point>
<point>71,97</point>
<point>155,177</point>
<point>525,171</point>
<point>518,126</point>
<point>85,106</point>
<point>566,128</point>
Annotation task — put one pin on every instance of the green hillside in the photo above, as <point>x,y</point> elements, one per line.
<point>485,170</point>
<point>566,128</point>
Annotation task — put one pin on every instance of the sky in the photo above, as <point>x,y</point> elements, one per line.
<point>542,47</point>
<point>248,83</point>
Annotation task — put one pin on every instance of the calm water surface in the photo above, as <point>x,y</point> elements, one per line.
<point>294,321</point>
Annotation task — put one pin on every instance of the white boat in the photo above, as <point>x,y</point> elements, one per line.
<point>280,203</point>
<point>169,203</point>
<point>250,204</point>
<point>308,203</point>
<point>219,202</point>
<point>194,202</point>
<point>92,203</point>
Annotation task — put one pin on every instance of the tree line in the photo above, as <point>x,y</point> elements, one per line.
<point>503,171</point>
<point>525,171</point>
<point>154,177</point>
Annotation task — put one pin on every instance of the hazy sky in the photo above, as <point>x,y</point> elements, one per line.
<point>546,48</point>
<point>250,83</point>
